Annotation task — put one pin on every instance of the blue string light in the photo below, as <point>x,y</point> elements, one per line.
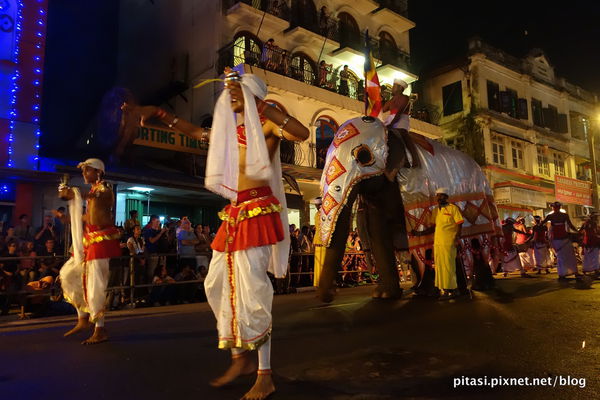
<point>15,84</point>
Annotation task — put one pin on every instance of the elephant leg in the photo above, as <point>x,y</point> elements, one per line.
<point>383,251</point>
<point>363,234</point>
<point>335,253</point>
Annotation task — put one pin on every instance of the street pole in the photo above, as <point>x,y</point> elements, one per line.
<point>592,148</point>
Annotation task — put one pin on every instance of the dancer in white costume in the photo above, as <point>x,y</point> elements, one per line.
<point>591,245</point>
<point>541,250</point>
<point>84,277</point>
<point>243,166</point>
<point>561,242</point>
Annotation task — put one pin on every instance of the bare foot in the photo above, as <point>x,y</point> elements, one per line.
<point>263,388</point>
<point>242,365</point>
<point>100,335</point>
<point>83,324</point>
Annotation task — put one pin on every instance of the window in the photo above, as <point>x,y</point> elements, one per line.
<point>583,172</point>
<point>536,112</point>
<point>543,165</point>
<point>550,116</point>
<point>246,49</point>
<point>498,150</point>
<point>493,92</point>
<point>508,100</point>
<point>303,68</point>
<point>349,33</point>
<point>452,98</point>
<point>517,155</point>
<point>559,164</point>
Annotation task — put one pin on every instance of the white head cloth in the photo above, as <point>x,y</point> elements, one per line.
<point>222,163</point>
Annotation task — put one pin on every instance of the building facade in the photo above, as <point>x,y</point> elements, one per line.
<point>299,47</point>
<point>530,130</point>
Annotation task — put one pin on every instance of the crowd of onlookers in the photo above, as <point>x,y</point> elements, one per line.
<point>156,256</point>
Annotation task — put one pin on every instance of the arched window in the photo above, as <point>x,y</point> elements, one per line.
<point>304,14</point>
<point>303,68</point>
<point>348,31</point>
<point>387,48</point>
<point>246,49</point>
<point>326,129</point>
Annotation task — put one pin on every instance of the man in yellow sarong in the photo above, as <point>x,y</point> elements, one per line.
<point>318,244</point>
<point>447,224</point>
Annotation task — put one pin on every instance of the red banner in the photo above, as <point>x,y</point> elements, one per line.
<point>572,191</point>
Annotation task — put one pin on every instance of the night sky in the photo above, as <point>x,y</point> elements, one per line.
<point>568,32</point>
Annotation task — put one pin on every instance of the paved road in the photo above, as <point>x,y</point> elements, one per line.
<point>353,349</point>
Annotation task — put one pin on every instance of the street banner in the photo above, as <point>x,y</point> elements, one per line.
<point>8,22</point>
<point>572,191</point>
<point>165,138</point>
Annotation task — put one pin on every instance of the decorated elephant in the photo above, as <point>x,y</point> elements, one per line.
<point>394,176</point>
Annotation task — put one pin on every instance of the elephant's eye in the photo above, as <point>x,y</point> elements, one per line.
<point>363,155</point>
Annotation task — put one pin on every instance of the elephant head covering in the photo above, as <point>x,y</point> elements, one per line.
<point>359,151</point>
<point>222,163</point>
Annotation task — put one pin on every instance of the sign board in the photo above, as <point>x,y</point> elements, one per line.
<point>519,196</point>
<point>572,191</point>
<point>167,139</point>
<point>8,25</point>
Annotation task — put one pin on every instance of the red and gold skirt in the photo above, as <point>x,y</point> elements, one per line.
<point>251,221</point>
<point>101,243</point>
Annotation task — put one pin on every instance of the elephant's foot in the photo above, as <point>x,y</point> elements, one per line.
<point>326,295</point>
<point>381,292</point>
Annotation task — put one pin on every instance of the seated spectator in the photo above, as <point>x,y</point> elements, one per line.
<point>27,267</point>
<point>10,235</point>
<point>186,292</point>
<point>24,231</point>
<point>54,260</point>
<point>45,232</point>
<point>9,278</point>
<point>162,293</point>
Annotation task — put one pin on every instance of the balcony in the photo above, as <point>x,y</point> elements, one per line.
<point>251,12</point>
<point>393,13</point>
<point>281,62</point>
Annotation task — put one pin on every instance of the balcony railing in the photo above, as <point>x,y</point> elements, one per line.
<point>279,61</point>
<point>295,153</point>
<point>278,8</point>
<point>398,6</point>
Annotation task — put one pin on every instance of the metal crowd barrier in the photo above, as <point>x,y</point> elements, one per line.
<point>55,290</point>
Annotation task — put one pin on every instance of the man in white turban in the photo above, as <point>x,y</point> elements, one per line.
<point>243,165</point>
<point>398,107</point>
<point>84,277</point>
<point>446,220</point>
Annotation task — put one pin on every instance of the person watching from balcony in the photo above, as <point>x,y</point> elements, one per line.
<point>324,69</point>
<point>344,76</point>
<point>268,53</point>
<point>323,21</point>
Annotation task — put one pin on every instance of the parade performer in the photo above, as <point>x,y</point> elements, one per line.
<point>561,242</point>
<point>447,223</point>
<point>84,277</point>
<point>510,260</point>
<point>541,251</point>
<point>243,166</point>
<point>318,244</point>
<point>523,243</point>
<point>591,245</point>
